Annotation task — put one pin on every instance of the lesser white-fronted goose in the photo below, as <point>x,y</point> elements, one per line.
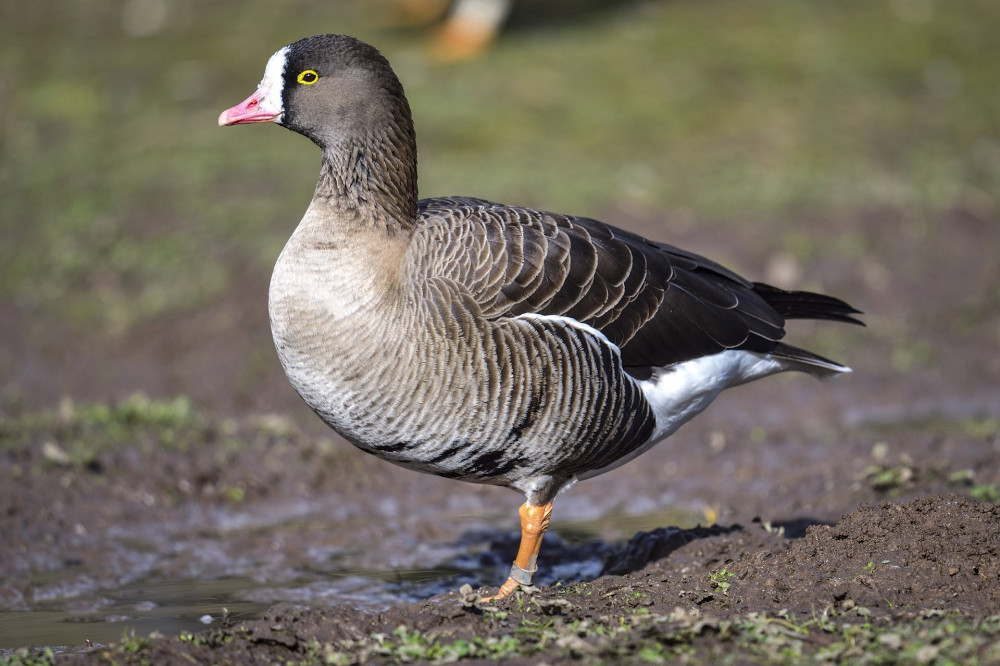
<point>483,342</point>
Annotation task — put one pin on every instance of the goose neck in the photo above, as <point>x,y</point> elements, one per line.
<point>376,179</point>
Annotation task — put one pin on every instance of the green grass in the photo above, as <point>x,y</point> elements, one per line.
<point>639,637</point>
<point>650,638</point>
<point>727,108</point>
<point>122,201</point>
<point>75,435</point>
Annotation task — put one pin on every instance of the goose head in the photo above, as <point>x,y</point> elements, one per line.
<point>329,88</point>
<point>342,94</point>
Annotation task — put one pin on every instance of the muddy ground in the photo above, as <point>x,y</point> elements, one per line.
<point>854,517</point>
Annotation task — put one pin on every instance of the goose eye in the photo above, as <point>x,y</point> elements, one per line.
<point>308,77</point>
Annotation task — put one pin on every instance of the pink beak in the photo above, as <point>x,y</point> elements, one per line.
<point>250,110</point>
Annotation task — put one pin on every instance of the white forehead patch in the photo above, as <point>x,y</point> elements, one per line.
<point>273,83</point>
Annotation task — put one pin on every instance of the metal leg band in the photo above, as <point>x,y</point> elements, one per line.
<point>522,576</point>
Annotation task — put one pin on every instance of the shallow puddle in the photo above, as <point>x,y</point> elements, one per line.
<point>187,576</point>
<point>169,607</point>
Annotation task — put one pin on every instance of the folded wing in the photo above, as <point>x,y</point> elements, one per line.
<point>659,304</point>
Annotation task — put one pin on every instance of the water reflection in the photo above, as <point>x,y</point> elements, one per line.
<point>185,577</point>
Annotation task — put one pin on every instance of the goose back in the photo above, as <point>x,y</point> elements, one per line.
<point>659,304</point>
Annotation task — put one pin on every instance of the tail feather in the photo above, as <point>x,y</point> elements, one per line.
<point>807,305</point>
<point>808,362</point>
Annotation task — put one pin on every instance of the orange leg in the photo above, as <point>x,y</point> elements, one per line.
<point>534,522</point>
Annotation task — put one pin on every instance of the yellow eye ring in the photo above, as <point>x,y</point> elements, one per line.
<point>308,77</point>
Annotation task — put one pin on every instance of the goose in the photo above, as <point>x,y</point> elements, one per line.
<point>484,342</point>
<point>468,26</point>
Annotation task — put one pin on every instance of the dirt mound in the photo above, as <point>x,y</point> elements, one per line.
<point>932,553</point>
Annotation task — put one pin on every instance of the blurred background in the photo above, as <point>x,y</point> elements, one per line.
<point>850,146</point>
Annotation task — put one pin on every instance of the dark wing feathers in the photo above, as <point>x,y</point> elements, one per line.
<point>807,305</point>
<point>661,305</point>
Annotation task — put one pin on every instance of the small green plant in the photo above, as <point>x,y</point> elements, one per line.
<point>985,493</point>
<point>966,479</point>
<point>412,645</point>
<point>885,478</point>
<point>131,643</point>
<point>720,580</point>
<point>235,494</point>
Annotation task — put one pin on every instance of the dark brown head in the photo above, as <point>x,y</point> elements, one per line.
<point>328,88</point>
<point>342,94</point>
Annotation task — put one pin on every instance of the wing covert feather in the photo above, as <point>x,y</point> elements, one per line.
<point>659,304</point>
